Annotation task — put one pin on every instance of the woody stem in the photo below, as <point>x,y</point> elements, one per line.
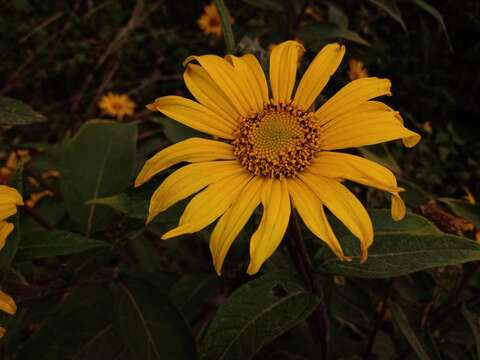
<point>319,321</point>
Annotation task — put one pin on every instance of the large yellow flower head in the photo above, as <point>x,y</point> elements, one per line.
<point>277,150</point>
<point>9,200</point>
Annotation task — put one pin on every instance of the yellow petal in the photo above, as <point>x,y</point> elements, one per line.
<point>207,93</point>
<point>192,150</point>
<point>283,69</point>
<point>10,198</point>
<point>248,81</point>
<point>208,205</point>
<point>189,180</point>
<point>7,304</point>
<point>398,208</point>
<point>194,115</point>
<point>310,209</point>
<point>260,79</point>
<point>364,125</point>
<point>276,213</point>
<point>9,195</point>
<point>5,229</point>
<point>227,79</point>
<point>344,205</point>
<point>317,75</point>
<point>363,171</point>
<point>409,141</point>
<point>233,221</point>
<point>352,95</point>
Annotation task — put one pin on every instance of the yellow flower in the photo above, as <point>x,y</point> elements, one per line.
<point>11,165</point>
<point>209,22</point>
<point>356,69</point>
<point>9,200</point>
<point>36,197</point>
<point>117,105</point>
<point>277,150</point>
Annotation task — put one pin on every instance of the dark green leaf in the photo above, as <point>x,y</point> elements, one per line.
<point>336,15</point>
<point>16,112</point>
<point>473,322</point>
<point>97,162</point>
<point>80,328</point>
<point>470,212</point>
<point>254,315</point>
<point>410,245</point>
<point>44,244</point>
<point>150,325</point>
<point>174,131</point>
<point>414,195</point>
<point>390,7</point>
<point>402,321</point>
<point>191,292</point>
<point>317,33</point>
<point>271,5</point>
<point>381,154</point>
<point>146,253</point>
<point>133,202</point>
<point>437,15</point>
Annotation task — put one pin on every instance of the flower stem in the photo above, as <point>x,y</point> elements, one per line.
<point>226,25</point>
<point>319,322</point>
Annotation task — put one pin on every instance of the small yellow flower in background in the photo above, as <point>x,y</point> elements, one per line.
<point>36,197</point>
<point>427,126</point>
<point>469,196</point>
<point>276,151</point>
<point>50,174</point>
<point>12,163</point>
<point>117,105</point>
<point>209,22</point>
<point>9,200</point>
<point>356,69</point>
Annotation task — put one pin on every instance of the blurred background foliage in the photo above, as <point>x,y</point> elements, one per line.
<point>106,287</point>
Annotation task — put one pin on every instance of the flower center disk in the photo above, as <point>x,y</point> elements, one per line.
<point>277,142</point>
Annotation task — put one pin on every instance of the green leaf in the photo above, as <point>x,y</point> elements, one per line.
<point>317,33</point>
<point>390,7</point>
<point>402,248</point>
<point>437,15</point>
<point>133,202</point>
<point>150,325</point>
<point>45,244</point>
<point>191,293</point>
<point>146,253</point>
<point>226,25</point>
<point>174,131</point>
<point>401,320</point>
<point>414,195</point>
<point>79,328</point>
<point>472,321</point>
<point>16,112</point>
<point>270,5</point>
<point>254,315</point>
<point>470,212</point>
<point>381,154</point>
<point>97,162</point>
<point>336,15</point>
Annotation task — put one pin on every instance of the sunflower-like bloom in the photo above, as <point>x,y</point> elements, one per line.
<point>9,200</point>
<point>277,150</point>
<point>209,22</point>
<point>117,105</point>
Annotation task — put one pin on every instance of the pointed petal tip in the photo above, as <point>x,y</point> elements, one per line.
<point>151,107</point>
